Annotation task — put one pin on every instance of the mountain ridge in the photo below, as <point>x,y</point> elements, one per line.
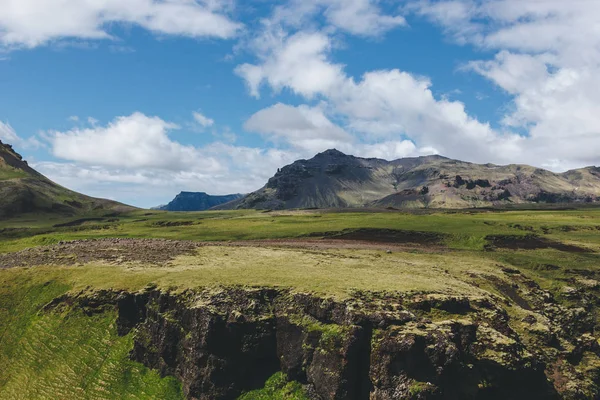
<point>24,190</point>
<point>197,201</point>
<point>332,179</point>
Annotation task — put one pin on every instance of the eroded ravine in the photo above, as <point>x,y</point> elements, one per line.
<point>222,342</point>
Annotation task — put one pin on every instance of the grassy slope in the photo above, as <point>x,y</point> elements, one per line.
<point>24,190</point>
<point>64,353</point>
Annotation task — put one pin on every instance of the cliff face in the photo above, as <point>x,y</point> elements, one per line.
<point>221,343</point>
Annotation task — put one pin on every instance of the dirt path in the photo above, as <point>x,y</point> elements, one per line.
<point>161,251</point>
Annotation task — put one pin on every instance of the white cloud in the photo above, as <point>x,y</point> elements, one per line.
<point>551,69</point>
<point>31,23</point>
<point>135,141</point>
<point>8,134</point>
<point>133,160</point>
<point>241,170</point>
<point>305,128</point>
<point>358,17</point>
<point>73,118</point>
<point>385,105</point>
<point>548,60</point>
<point>202,120</point>
<point>299,62</point>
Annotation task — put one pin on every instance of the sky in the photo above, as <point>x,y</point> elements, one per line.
<point>137,100</point>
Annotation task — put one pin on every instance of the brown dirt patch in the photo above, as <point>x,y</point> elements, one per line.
<point>392,236</point>
<point>150,251</point>
<point>161,251</point>
<point>78,222</point>
<point>510,291</point>
<point>530,242</point>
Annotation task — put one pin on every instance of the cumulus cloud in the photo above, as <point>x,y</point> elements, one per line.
<point>548,59</point>
<point>305,128</point>
<point>135,141</point>
<point>551,70</point>
<point>202,119</point>
<point>133,156</point>
<point>9,136</point>
<point>382,106</point>
<point>299,62</point>
<point>31,23</point>
<point>358,17</point>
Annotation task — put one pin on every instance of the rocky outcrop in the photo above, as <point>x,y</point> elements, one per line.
<point>517,342</point>
<point>222,342</point>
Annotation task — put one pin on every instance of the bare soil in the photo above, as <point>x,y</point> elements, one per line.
<point>151,251</point>
<point>530,242</point>
<point>161,251</point>
<point>384,236</point>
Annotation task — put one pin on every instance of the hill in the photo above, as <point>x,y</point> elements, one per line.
<point>333,179</point>
<point>197,201</point>
<point>24,190</point>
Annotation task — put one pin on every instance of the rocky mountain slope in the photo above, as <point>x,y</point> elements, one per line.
<point>197,201</point>
<point>333,179</point>
<point>24,190</point>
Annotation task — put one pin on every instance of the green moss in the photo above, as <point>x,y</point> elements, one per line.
<point>277,387</point>
<point>64,353</point>
<point>418,387</point>
<point>330,334</point>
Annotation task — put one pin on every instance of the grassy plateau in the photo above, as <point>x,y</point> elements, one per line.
<point>64,353</point>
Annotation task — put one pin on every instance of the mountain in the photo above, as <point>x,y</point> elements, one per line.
<point>197,201</point>
<point>333,179</point>
<point>24,190</point>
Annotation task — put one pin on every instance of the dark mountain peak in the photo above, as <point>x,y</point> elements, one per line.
<point>197,201</point>
<point>7,148</point>
<point>197,194</point>
<point>332,153</point>
<point>10,159</point>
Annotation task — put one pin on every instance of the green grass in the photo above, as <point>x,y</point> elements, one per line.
<point>277,387</point>
<point>67,354</point>
<point>11,173</point>
<point>64,353</point>
<point>464,230</point>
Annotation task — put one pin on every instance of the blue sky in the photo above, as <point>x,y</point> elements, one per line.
<point>137,100</point>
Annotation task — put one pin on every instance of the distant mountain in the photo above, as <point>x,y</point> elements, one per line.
<point>333,179</point>
<point>197,201</point>
<point>24,190</point>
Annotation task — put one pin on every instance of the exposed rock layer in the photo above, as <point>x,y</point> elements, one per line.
<point>376,346</point>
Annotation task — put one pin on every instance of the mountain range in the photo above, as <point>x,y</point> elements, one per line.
<point>24,190</point>
<point>333,179</point>
<point>197,201</point>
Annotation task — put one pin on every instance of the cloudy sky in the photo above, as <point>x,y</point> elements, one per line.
<point>137,100</point>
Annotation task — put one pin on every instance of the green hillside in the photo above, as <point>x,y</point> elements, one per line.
<point>23,190</point>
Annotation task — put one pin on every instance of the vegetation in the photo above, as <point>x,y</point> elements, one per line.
<point>64,353</point>
<point>68,353</point>
<point>277,387</point>
<point>463,230</point>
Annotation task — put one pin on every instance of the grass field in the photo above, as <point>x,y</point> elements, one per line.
<point>464,230</point>
<point>68,354</point>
